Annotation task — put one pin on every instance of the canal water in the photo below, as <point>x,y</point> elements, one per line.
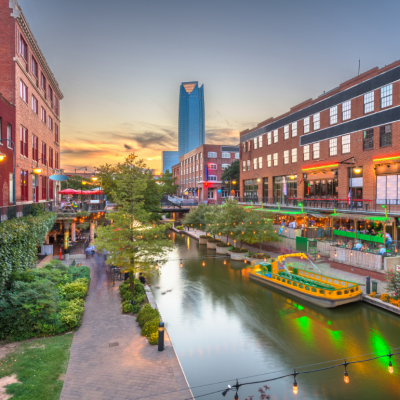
<point>224,327</point>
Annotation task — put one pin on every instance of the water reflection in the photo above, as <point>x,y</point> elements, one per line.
<point>225,327</point>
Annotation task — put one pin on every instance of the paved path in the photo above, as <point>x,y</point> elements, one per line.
<point>130,370</point>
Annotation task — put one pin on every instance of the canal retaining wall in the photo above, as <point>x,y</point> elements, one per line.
<point>379,303</point>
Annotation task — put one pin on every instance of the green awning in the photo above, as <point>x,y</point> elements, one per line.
<point>361,217</point>
<point>281,211</point>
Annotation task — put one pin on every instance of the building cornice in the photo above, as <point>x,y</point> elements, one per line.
<point>57,118</point>
<point>23,24</point>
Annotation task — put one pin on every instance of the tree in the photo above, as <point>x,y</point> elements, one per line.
<point>168,185</point>
<point>230,217</point>
<point>75,182</point>
<point>106,174</point>
<point>212,216</point>
<point>232,174</point>
<point>134,241</point>
<point>196,218</point>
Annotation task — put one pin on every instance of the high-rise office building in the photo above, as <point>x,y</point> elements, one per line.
<point>191,117</point>
<point>169,158</point>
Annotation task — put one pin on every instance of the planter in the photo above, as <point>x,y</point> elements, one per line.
<point>211,245</point>
<point>223,250</point>
<point>203,240</point>
<point>237,256</point>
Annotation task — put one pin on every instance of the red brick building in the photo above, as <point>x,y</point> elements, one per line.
<point>301,155</point>
<point>199,172</point>
<point>27,83</point>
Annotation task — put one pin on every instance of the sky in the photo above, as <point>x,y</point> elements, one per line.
<point>120,63</point>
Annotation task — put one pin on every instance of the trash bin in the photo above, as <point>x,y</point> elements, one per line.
<point>126,276</point>
<point>374,286</point>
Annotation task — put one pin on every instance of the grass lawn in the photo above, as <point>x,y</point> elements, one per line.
<point>38,365</point>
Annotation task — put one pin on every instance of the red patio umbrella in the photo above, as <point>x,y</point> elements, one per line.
<point>68,191</point>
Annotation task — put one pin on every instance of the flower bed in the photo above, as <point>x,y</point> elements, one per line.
<point>213,240</point>
<point>261,256</point>
<point>237,250</point>
<point>138,296</point>
<point>212,243</point>
<point>222,244</point>
<point>205,237</point>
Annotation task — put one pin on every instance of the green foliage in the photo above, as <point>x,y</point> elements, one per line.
<point>19,239</point>
<point>180,228</point>
<point>232,174</point>
<point>147,313</point>
<point>197,217</point>
<point>75,182</point>
<point>153,338</point>
<point>83,213</point>
<point>127,296</point>
<point>138,295</point>
<point>393,283</point>
<point>237,250</point>
<point>134,240</point>
<point>39,366</point>
<point>135,308</point>
<point>127,307</point>
<point>105,174</point>
<point>43,302</point>
<point>150,327</point>
<point>139,298</point>
<point>168,183</point>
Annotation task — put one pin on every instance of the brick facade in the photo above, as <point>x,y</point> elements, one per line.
<point>27,82</point>
<point>305,170</point>
<point>199,172</point>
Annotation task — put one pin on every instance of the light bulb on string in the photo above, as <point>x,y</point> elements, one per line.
<point>390,368</point>
<point>181,263</point>
<point>203,263</point>
<point>245,261</point>
<point>346,374</point>
<point>224,261</point>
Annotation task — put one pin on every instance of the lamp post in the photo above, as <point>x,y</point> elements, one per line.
<point>38,170</point>
<point>2,158</point>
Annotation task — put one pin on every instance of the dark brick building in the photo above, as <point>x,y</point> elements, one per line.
<point>299,155</point>
<point>199,172</point>
<point>27,83</point>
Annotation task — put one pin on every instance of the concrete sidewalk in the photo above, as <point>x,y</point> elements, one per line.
<point>109,357</point>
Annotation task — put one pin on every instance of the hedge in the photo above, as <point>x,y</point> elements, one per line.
<point>19,240</point>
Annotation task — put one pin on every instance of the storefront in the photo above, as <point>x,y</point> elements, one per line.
<point>265,190</point>
<point>322,184</point>
<point>284,187</point>
<point>388,184</point>
<point>250,189</point>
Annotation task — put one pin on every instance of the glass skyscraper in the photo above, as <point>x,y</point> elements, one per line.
<point>169,158</point>
<point>191,117</point>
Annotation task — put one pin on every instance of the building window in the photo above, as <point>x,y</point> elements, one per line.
<point>269,138</point>
<point>387,96</point>
<point>306,153</point>
<point>197,157</point>
<point>201,178</point>
<point>385,136</point>
<point>212,177</point>
<point>44,187</point>
<point>11,188</point>
<point>35,68</point>
<point>307,125</point>
<point>23,48</point>
<point>226,155</point>
<point>50,123</point>
<point>9,136</point>
<point>23,91</point>
<point>294,129</point>
<point>244,147</point>
<point>316,121</point>
<point>345,144</point>
<point>197,168</point>
<point>368,139</point>
<point>201,155</point>
<point>286,132</point>
<point>259,162</point>
<point>275,159</point>
<point>243,165</point>
<point>51,158</point>
<point>51,95</point>
<point>24,141</point>
<point>56,106</point>
<point>294,156</point>
<point>43,114</point>
<point>210,166</point>
<point>333,115</point>
<point>269,160</point>
<point>35,145</point>
<point>368,102</point>
<point>255,163</point>
<point>286,157</point>
<point>248,165</point>
<point>333,147</point>
<point>44,153</point>
<point>237,155</point>
<point>224,167</point>
<point>315,151</point>
<point>346,110</point>
<point>57,161</point>
<point>24,185</point>
<point>197,179</point>
<point>210,194</point>
<point>212,154</point>
<point>35,105</point>
<point>260,141</point>
<point>224,193</point>
<point>276,136</point>
<point>255,140</point>
<point>43,82</point>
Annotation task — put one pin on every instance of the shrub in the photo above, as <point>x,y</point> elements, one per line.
<point>146,314</point>
<point>140,298</point>
<point>139,287</point>
<point>205,236</point>
<point>76,289</point>
<point>127,295</point>
<point>136,308</point>
<point>261,255</point>
<point>71,313</point>
<point>385,297</point>
<point>214,240</point>
<point>79,272</point>
<point>222,244</point>
<point>127,307</point>
<point>150,327</point>
<point>393,283</point>
<point>373,294</point>
<point>153,338</point>
<point>395,302</point>
<point>236,250</point>
<point>180,228</point>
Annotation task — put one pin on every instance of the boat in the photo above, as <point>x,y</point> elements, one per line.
<point>290,277</point>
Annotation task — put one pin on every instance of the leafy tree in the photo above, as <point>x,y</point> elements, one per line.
<point>168,185</point>
<point>105,174</point>
<point>230,217</point>
<point>134,241</point>
<point>74,182</point>
<point>196,218</point>
<point>232,174</point>
<point>212,216</point>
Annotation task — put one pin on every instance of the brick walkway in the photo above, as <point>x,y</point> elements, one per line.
<point>130,370</point>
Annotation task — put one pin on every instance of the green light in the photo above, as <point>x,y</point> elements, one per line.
<point>300,307</point>
<point>329,323</point>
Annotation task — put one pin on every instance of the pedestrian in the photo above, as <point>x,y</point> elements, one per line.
<point>142,278</point>
<point>88,252</point>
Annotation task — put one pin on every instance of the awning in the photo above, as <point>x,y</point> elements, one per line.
<point>362,217</point>
<point>281,211</point>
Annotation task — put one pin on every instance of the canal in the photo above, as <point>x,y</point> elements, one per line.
<point>224,327</point>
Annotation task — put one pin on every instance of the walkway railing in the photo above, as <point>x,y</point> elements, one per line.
<point>22,210</point>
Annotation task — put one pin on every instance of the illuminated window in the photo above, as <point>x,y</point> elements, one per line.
<point>243,165</point>
<point>306,153</point>
<point>189,87</point>
<point>316,121</point>
<point>307,125</point>
<point>294,129</point>
<point>269,138</point>
<point>260,141</point>
<point>345,144</point>
<point>275,159</point>
<point>286,132</point>
<point>294,155</point>
<point>286,157</point>
<point>254,163</point>
<point>248,165</point>
<point>212,166</point>
<point>315,151</point>
<point>276,136</point>
<point>259,162</point>
<point>269,160</point>
<point>368,102</point>
<point>386,96</point>
<point>255,140</point>
<point>333,115</point>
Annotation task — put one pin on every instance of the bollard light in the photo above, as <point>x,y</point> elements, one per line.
<point>161,336</point>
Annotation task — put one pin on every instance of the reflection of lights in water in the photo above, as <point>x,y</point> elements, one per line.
<point>200,352</point>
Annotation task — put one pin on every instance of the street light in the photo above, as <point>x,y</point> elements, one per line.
<point>3,156</point>
<point>37,170</point>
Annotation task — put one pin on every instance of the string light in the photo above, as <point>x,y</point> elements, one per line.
<point>242,232</point>
<point>224,261</point>
<point>245,261</point>
<point>390,368</point>
<point>295,388</point>
<point>203,263</point>
<point>346,374</point>
<point>181,263</point>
